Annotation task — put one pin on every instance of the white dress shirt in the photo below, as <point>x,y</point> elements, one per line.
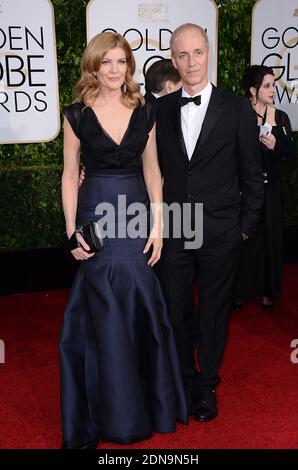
<point>192,117</point>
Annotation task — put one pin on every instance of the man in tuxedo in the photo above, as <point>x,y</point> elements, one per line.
<point>209,153</point>
<point>161,78</point>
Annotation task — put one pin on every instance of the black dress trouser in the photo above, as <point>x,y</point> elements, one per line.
<point>215,266</point>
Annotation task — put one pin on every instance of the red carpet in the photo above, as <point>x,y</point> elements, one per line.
<point>257,397</point>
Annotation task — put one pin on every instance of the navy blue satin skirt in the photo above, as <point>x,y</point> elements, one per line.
<point>120,375</point>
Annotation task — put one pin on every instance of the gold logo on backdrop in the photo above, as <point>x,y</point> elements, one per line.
<point>153,12</point>
<point>151,42</point>
<point>290,42</point>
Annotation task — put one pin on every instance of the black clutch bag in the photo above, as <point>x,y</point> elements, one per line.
<point>90,234</point>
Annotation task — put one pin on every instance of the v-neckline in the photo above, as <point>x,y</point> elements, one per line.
<point>107,134</point>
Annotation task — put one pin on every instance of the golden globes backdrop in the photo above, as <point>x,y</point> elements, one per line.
<point>275,44</point>
<point>29,100</point>
<point>147,25</point>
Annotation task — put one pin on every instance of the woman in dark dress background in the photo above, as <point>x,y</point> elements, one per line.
<point>260,269</point>
<point>120,377</point>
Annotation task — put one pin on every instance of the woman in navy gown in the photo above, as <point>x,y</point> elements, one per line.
<point>120,377</point>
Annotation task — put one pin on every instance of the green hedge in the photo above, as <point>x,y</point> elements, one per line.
<point>31,214</point>
<point>30,207</point>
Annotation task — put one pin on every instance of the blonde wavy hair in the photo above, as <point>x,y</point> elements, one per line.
<point>88,87</point>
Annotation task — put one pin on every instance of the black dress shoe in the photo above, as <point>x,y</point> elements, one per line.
<point>237,306</point>
<point>89,445</point>
<point>267,307</point>
<point>205,406</point>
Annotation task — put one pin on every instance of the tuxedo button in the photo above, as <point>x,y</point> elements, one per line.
<point>190,173</point>
<point>190,197</point>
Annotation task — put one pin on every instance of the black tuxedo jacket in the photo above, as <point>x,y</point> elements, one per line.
<point>225,171</point>
<point>150,98</point>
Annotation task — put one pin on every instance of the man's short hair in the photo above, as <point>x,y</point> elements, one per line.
<point>157,75</point>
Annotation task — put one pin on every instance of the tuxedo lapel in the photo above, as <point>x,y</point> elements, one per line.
<point>176,116</point>
<point>213,112</point>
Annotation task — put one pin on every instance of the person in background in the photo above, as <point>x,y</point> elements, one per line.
<point>260,268</point>
<point>209,153</point>
<point>161,78</point>
<point>120,375</point>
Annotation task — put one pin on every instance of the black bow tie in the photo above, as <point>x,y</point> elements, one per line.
<point>196,100</point>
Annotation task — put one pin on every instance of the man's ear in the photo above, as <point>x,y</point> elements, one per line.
<point>168,86</point>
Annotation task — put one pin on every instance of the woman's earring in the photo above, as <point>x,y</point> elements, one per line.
<point>124,87</point>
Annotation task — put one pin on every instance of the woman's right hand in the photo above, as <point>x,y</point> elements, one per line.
<point>79,253</point>
<point>81,176</point>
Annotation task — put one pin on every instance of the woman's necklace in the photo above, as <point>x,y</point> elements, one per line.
<point>262,117</point>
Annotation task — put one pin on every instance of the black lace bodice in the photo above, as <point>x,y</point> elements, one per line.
<point>98,150</point>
